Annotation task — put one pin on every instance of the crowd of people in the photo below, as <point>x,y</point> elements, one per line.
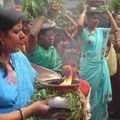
<point>42,42</point>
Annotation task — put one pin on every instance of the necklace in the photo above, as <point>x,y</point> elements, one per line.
<point>91,31</point>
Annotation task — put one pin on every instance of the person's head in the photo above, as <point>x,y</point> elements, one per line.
<point>27,25</point>
<point>60,35</point>
<point>92,19</point>
<point>10,30</point>
<point>46,35</point>
<point>117,19</point>
<point>65,36</point>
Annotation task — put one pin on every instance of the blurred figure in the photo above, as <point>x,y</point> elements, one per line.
<point>40,45</point>
<point>68,49</point>
<point>114,107</point>
<point>104,21</point>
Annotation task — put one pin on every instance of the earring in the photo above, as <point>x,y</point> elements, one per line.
<point>1,46</point>
<point>1,43</point>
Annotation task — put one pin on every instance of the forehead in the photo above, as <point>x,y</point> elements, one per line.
<point>92,15</point>
<point>17,26</point>
<point>117,17</point>
<point>95,16</point>
<point>49,32</point>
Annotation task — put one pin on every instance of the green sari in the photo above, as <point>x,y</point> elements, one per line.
<point>94,69</point>
<point>46,58</point>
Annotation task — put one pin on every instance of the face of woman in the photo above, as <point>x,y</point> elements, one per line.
<point>64,37</point>
<point>48,39</point>
<point>27,27</point>
<point>93,21</point>
<point>12,40</point>
<point>117,19</point>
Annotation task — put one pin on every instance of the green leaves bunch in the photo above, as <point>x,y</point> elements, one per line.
<point>114,5</point>
<point>52,9</point>
<point>76,100</point>
<point>35,8</point>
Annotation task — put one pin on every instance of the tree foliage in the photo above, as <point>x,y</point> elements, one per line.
<point>36,8</point>
<point>52,9</point>
<point>114,5</point>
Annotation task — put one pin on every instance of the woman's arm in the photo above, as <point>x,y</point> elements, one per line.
<point>72,28</point>
<point>81,19</point>
<point>114,26</point>
<point>37,107</point>
<point>32,37</point>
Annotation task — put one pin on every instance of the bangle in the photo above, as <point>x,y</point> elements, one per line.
<point>21,114</point>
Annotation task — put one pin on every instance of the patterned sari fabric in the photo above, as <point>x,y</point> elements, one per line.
<point>18,87</point>
<point>94,69</point>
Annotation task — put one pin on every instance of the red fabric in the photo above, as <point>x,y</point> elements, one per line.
<point>84,87</point>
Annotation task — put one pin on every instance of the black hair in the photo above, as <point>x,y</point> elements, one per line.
<point>8,19</point>
<point>58,31</point>
<point>44,31</point>
<point>26,20</point>
<point>116,15</point>
<point>3,67</point>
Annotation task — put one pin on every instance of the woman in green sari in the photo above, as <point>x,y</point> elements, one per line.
<point>40,45</point>
<point>93,65</point>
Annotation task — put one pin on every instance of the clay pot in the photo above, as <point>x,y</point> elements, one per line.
<point>55,85</point>
<point>95,2</point>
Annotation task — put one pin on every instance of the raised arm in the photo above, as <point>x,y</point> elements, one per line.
<point>114,26</point>
<point>32,37</point>
<point>72,28</point>
<point>81,19</point>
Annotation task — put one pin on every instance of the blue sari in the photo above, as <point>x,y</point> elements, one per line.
<point>14,96</point>
<point>94,69</point>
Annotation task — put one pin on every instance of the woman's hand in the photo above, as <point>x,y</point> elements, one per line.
<point>85,8</point>
<point>41,107</point>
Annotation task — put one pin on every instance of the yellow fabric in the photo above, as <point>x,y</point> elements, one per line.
<point>112,61</point>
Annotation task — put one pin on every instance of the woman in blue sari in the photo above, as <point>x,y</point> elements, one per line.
<point>16,73</point>
<point>93,65</point>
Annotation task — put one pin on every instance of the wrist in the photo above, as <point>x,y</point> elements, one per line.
<point>36,106</point>
<point>42,18</point>
<point>21,114</point>
<point>83,14</point>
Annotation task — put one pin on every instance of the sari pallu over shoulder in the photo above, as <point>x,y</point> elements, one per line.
<point>17,96</point>
<point>94,69</point>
